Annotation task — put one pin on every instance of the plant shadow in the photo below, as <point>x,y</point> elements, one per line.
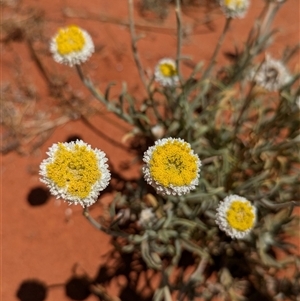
<point>81,286</point>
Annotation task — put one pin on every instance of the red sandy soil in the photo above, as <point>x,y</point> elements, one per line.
<point>43,239</point>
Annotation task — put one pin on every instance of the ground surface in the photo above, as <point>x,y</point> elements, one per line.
<point>45,240</point>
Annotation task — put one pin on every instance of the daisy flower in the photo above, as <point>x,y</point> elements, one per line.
<point>71,46</point>
<point>166,73</point>
<point>75,172</point>
<point>171,167</point>
<point>234,8</point>
<point>271,75</point>
<point>236,216</point>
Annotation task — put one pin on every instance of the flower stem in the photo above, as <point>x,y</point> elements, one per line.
<point>217,49</point>
<point>268,18</point>
<point>92,220</point>
<point>179,39</point>
<point>246,104</point>
<point>100,227</point>
<point>134,47</point>
<point>87,82</point>
<point>110,106</point>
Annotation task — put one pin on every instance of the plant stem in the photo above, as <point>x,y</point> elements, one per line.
<point>92,220</point>
<point>87,82</point>
<point>134,47</point>
<point>217,49</point>
<point>243,109</point>
<point>268,18</point>
<point>109,106</point>
<point>179,39</point>
<point>102,228</point>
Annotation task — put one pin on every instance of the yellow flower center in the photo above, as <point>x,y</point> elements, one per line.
<point>77,170</point>
<point>167,69</point>
<point>70,40</point>
<point>240,216</point>
<point>173,164</point>
<point>234,4</point>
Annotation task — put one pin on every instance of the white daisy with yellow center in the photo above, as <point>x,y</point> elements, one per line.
<point>71,46</point>
<point>236,216</point>
<point>171,167</point>
<point>75,172</point>
<point>271,75</point>
<point>166,73</point>
<point>234,8</point>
